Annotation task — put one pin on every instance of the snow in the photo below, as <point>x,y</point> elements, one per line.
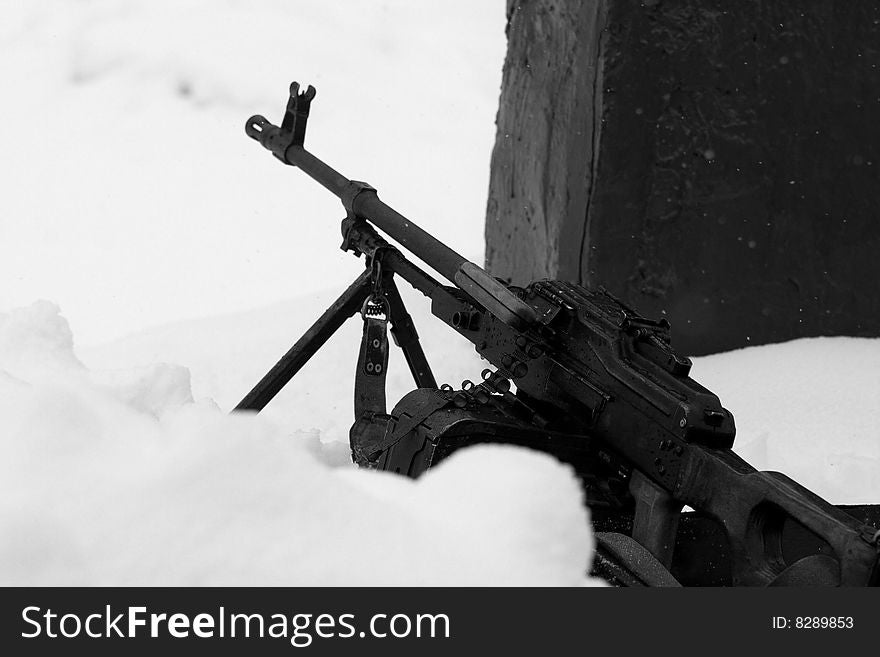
<point>132,196</point>
<point>156,263</point>
<point>125,480</point>
<point>807,408</point>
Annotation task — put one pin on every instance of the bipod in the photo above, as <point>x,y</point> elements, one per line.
<point>378,277</point>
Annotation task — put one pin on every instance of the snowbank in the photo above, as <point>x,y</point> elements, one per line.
<point>808,408</point>
<point>118,478</point>
<point>124,467</point>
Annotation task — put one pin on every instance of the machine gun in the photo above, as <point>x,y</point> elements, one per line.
<point>596,384</point>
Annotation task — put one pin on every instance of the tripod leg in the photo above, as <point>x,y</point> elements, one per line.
<point>405,336</point>
<point>344,307</point>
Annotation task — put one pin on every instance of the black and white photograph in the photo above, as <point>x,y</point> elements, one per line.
<point>379,294</point>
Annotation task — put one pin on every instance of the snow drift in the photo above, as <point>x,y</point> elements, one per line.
<point>124,467</point>
<point>120,478</point>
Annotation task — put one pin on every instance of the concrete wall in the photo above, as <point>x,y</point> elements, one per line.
<point>714,162</point>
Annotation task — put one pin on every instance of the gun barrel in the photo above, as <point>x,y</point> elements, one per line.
<point>363,202</point>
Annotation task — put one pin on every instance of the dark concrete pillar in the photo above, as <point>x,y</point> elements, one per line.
<point>714,162</point>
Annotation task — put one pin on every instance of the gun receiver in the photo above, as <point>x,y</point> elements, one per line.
<point>597,385</point>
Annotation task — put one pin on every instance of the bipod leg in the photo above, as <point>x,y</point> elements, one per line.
<point>403,330</point>
<point>344,307</point>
